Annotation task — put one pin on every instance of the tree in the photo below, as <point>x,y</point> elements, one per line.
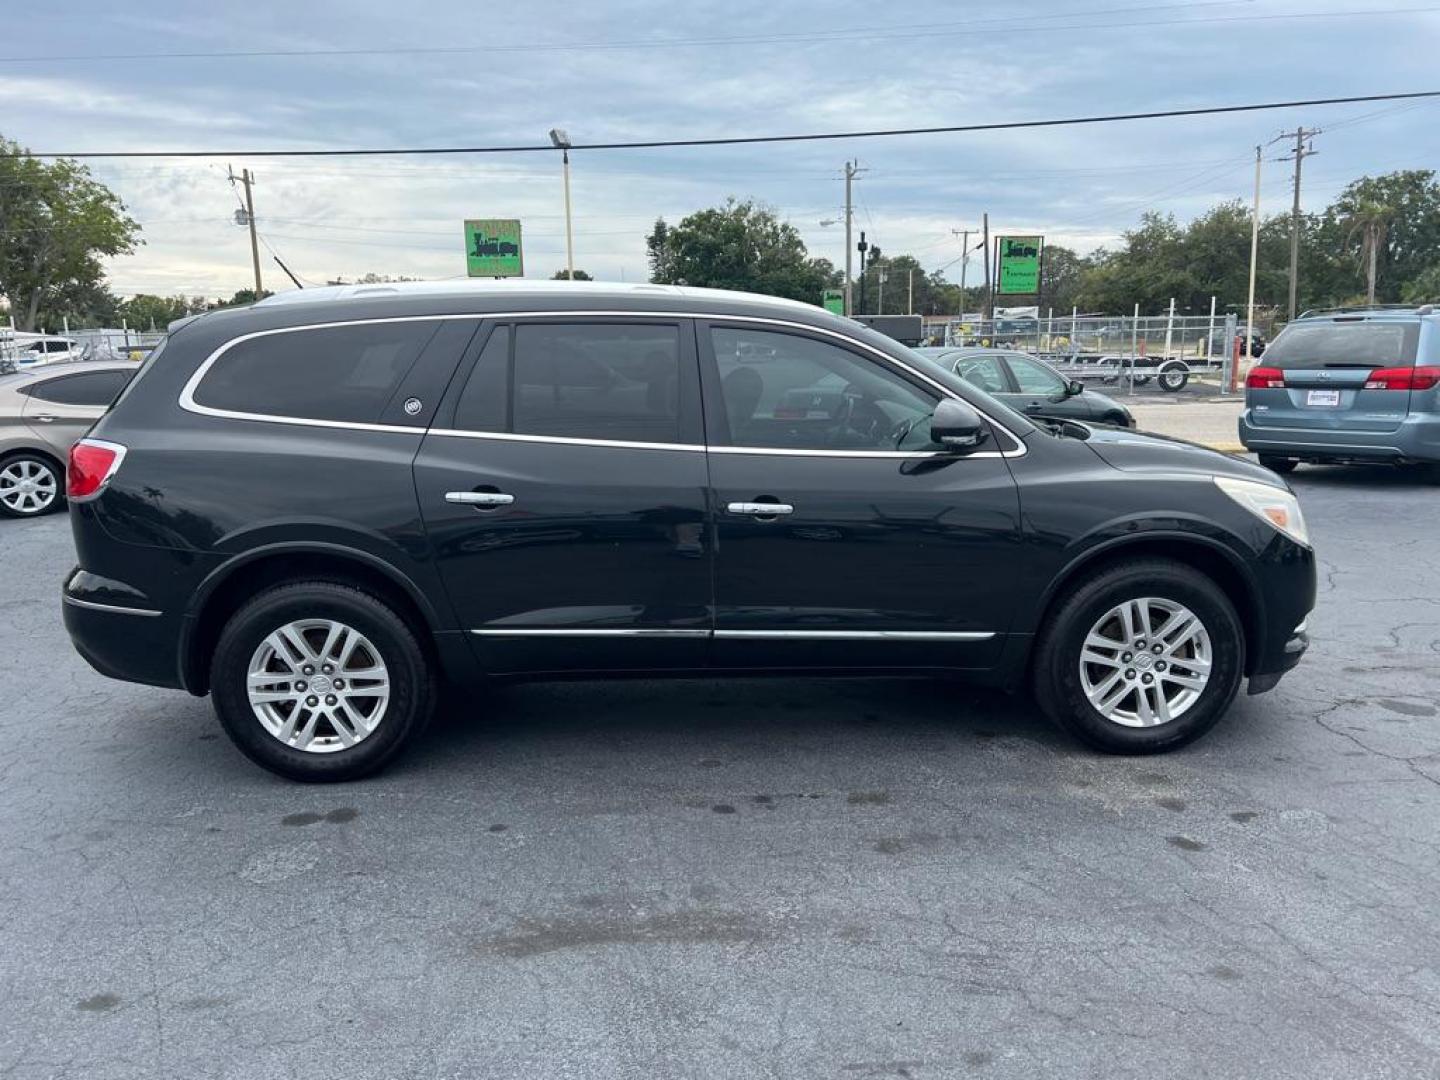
<point>741,245</point>
<point>1411,236</point>
<point>58,223</point>
<point>1371,221</point>
<point>1061,274</point>
<point>246,296</point>
<point>146,312</point>
<point>580,275</point>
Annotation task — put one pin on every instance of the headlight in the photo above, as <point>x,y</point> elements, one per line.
<point>1275,505</point>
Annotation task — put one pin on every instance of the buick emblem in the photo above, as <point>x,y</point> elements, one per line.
<point>412,406</point>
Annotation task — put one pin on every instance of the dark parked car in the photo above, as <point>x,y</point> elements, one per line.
<point>43,410</point>
<point>1348,386</point>
<point>1027,383</point>
<point>316,508</point>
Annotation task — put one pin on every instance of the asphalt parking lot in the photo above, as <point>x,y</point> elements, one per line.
<point>724,879</point>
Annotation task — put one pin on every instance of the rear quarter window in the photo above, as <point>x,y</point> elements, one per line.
<point>336,373</point>
<point>1337,343</point>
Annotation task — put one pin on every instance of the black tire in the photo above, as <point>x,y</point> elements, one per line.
<point>1278,464</point>
<point>1056,670</point>
<point>1173,380</point>
<point>412,678</point>
<point>41,466</point>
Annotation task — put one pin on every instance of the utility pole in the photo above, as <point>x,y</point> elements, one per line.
<point>989,309</point>
<point>880,301</point>
<point>910,291</point>
<point>248,180</point>
<point>852,170</point>
<point>1301,152</point>
<point>964,235</point>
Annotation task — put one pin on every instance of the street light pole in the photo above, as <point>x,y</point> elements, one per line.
<point>561,139</point>
<point>1254,255</point>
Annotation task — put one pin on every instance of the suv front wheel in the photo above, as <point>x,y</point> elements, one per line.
<point>320,681</point>
<point>1141,658</point>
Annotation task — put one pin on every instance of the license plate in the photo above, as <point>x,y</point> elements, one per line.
<point>1325,398</point>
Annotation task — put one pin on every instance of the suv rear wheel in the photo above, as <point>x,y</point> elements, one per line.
<point>30,485</point>
<point>320,681</point>
<point>1141,658</point>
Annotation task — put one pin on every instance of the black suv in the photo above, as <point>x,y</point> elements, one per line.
<point>318,508</point>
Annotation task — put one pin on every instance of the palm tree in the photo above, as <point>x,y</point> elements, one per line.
<point>1371,220</point>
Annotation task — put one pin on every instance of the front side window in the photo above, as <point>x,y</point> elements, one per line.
<point>337,373</point>
<point>1034,377</point>
<point>787,392</point>
<point>612,381</point>
<point>96,388</point>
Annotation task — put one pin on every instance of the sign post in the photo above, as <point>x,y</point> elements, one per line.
<point>1019,261</point>
<point>492,248</point>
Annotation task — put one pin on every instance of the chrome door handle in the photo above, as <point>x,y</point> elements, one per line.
<point>47,418</point>
<point>760,509</point>
<point>481,499</point>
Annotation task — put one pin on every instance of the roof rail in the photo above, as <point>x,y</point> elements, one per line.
<point>1351,309</point>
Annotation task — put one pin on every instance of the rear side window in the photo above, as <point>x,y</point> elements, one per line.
<point>1331,344</point>
<point>338,373</point>
<point>597,381</point>
<point>93,388</point>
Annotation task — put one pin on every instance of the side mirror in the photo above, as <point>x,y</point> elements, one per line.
<point>957,427</point>
<point>1073,387</point>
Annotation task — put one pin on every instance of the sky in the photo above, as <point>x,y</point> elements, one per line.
<point>85,76</point>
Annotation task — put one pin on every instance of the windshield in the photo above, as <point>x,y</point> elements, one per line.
<point>1349,343</point>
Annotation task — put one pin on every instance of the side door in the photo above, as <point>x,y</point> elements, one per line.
<point>844,537</point>
<point>1042,392</point>
<point>60,410</point>
<point>563,488</point>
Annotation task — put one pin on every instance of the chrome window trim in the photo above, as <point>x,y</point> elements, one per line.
<point>189,404</point>
<point>116,609</point>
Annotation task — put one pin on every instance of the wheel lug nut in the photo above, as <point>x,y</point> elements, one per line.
<point>329,699</point>
<point>300,687</point>
<point>1140,643</point>
<point>339,684</point>
<point>1148,679</point>
<point>327,669</point>
<point>1129,673</point>
<point>1126,658</point>
<point>309,669</point>
<point>1160,665</point>
<point>312,701</point>
<point>1156,649</point>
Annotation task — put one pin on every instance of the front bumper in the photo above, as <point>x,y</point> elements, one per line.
<point>1288,658</point>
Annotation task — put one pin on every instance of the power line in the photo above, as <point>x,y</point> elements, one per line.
<point>654,144</point>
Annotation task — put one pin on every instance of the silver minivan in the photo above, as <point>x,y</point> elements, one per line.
<point>1347,386</point>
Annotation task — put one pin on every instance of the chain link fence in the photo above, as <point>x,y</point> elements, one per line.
<point>1113,348</point>
<point>21,350</point>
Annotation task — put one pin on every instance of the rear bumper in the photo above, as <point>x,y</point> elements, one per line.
<point>119,632</point>
<point>1416,439</point>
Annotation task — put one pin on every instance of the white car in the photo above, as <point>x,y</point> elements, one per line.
<point>46,350</point>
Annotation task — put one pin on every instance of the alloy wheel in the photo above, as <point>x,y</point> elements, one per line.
<point>1145,662</point>
<point>28,487</point>
<point>318,685</point>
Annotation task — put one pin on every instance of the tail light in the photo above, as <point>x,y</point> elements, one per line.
<point>1265,378</point>
<point>92,463</point>
<point>1403,378</point>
